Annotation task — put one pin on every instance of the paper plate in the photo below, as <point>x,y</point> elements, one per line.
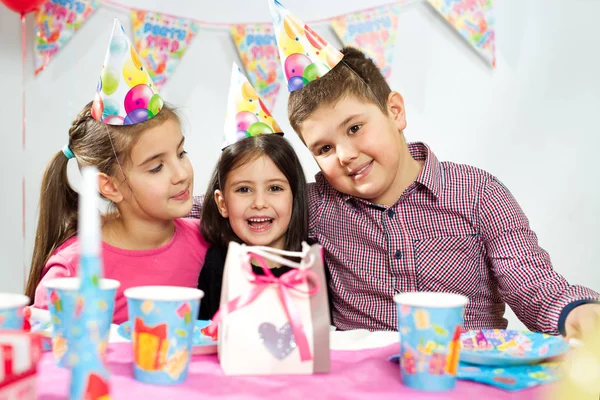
<point>202,344</point>
<point>499,347</point>
<point>515,377</point>
<point>503,348</point>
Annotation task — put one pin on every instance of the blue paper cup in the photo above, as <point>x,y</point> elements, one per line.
<point>162,325</point>
<point>62,303</point>
<point>11,310</point>
<point>430,324</point>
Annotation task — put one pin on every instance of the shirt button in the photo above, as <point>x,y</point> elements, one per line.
<point>398,254</point>
<point>391,213</point>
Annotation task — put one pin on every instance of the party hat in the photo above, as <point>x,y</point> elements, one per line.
<point>247,115</point>
<point>304,54</point>
<point>125,94</point>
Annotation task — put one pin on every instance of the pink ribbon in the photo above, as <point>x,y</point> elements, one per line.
<point>287,283</point>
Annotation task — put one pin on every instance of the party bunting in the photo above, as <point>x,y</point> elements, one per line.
<point>373,31</point>
<point>257,47</point>
<point>55,23</point>
<point>474,20</point>
<point>161,41</point>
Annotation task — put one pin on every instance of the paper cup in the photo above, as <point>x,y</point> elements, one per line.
<point>162,324</point>
<point>62,303</point>
<point>11,310</point>
<point>430,325</point>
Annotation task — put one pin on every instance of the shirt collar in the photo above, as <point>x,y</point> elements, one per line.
<point>431,174</point>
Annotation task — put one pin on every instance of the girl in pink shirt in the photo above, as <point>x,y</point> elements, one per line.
<point>146,175</point>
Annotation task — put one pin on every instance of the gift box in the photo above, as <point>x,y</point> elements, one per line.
<point>151,345</point>
<point>19,355</point>
<point>271,325</point>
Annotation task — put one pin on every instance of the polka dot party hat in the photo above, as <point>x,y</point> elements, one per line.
<point>125,94</point>
<point>247,115</point>
<point>304,54</point>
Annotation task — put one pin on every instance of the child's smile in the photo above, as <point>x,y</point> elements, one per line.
<point>360,149</point>
<point>260,224</point>
<point>361,171</point>
<point>257,200</point>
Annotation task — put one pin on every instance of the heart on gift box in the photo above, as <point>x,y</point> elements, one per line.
<point>280,342</point>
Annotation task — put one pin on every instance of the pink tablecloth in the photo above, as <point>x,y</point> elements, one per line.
<point>364,374</point>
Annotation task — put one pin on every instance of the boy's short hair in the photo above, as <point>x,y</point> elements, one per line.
<point>356,75</point>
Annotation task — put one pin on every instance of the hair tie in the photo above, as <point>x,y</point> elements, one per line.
<point>68,152</point>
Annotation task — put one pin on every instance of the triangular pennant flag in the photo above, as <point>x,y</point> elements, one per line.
<point>257,48</point>
<point>373,31</point>
<point>247,115</point>
<point>161,41</point>
<point>55,24</point>
<point>305,55</point>
<point>474,20</point>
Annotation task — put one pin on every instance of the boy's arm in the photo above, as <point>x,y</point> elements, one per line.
<point>527,282</point>
<point>196,207</point>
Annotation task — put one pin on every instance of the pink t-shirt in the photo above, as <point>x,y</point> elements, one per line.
<point>177,263</point>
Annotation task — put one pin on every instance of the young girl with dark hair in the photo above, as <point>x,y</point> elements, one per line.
<point>257,194</point>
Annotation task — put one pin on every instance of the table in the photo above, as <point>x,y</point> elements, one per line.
<point>359,370</point>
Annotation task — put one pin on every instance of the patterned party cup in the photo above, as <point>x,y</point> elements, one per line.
<point>11,310</point>
<point>162,321</point>
<point>63,304</point>
<point>430,326</point>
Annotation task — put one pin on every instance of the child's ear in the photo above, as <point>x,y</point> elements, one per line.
<point>396,110</point>
<point>108,189</point>
<point>220,200</point>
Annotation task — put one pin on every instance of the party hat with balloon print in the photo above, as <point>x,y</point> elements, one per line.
<point>125,94</point>
<point>305,55</point>
<point>247,115</point>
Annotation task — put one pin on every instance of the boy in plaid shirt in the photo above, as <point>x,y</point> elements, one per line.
<point>393,219</point>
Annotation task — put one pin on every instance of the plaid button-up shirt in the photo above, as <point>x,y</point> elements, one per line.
<point>455,229</point>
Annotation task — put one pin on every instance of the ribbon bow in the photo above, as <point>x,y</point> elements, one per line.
<point>286,283</point>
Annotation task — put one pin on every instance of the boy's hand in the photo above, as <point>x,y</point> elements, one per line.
<point>582,321</point>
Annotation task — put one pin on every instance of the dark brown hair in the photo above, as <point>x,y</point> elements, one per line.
<point>90,142</point>
<point>357,75</point>
<point>216,229</point>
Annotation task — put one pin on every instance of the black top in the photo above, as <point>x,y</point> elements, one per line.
<point>211,280</point>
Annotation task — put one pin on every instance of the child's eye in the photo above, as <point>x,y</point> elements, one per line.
<point>353,129</point>
<point>324,149</point>
<point>156,170</point>
<point>243,189</point>
<point>275,188</point>
<point>182,154</point>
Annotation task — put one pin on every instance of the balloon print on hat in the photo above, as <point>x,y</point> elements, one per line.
<point>305,55</point>
<point>125,94</point>
<point>247,115</point>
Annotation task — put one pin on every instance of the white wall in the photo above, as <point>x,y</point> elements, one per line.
<point>532,121</point>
